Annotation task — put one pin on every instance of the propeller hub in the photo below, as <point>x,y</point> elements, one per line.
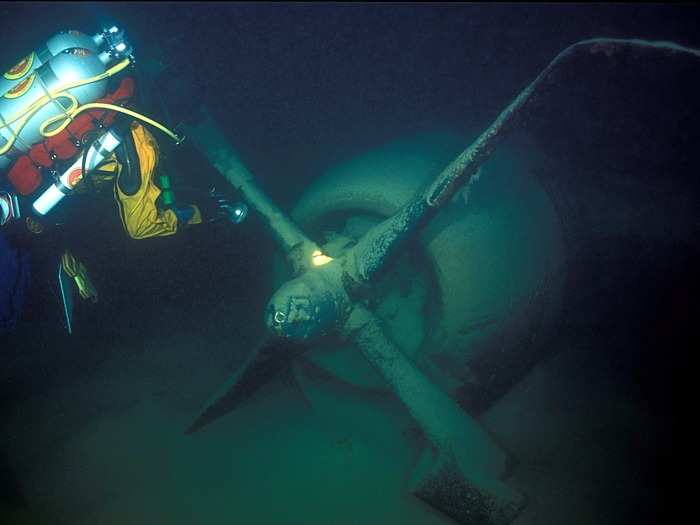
<point>305,307</point>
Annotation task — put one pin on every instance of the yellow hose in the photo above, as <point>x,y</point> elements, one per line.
<point>102,105</point>
<point>74,109</point>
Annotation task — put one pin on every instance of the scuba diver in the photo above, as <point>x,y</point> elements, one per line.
<point>67,125</point>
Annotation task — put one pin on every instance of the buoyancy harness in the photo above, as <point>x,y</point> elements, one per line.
<point>54,110</point>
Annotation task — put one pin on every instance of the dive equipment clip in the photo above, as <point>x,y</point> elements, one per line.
<point>9,207</point>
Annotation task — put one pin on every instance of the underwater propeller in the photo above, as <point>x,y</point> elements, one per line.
<point>270,357</point>
<point>461,473</point>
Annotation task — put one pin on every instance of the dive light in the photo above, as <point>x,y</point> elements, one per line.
<point>237,212</point>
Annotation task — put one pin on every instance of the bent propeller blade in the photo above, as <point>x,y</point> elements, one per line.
<point>266,361</point>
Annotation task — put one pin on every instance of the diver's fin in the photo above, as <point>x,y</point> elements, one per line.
<point>76,270</point>
<point>66,288</point>
<point>269,358</point>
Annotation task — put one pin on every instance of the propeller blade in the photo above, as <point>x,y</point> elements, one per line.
<point>462,469</point>
<point>266,361</point>
<point>372,253</point>
<point>213,144</point>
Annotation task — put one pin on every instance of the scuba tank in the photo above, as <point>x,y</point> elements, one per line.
<point>55,98</point>
<point>52,47</point>
<point>64,184</point>
<point>28,171</point>
<point>69,70</point>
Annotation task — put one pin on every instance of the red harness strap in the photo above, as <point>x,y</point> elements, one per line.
<point>25,173</point>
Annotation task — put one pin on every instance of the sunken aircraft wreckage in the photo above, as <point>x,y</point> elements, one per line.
<point>469,313</point>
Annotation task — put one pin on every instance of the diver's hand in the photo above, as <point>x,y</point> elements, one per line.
<point>225,209</point>
<point>187,215</point>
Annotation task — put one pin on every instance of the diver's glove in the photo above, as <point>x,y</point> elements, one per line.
<point>223,209</point>
<point>188,215</point>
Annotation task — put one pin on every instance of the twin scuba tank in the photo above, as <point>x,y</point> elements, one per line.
<point>42,95</point>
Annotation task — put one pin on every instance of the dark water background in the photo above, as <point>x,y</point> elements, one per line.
<point>300,87</point>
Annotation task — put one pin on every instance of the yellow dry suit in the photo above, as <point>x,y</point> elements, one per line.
<point>139,213</point>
